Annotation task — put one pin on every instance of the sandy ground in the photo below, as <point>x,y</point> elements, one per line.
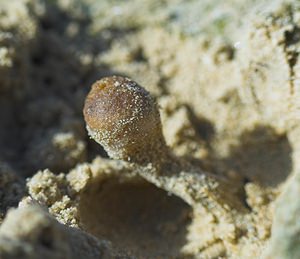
<point>226,77</point>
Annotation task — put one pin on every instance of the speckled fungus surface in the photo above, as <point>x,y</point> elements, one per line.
<point>123,117</point>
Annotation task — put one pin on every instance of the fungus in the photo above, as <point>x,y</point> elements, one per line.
<point>124,118</point>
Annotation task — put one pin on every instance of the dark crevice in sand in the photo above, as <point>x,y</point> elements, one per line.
<point>136,216</point>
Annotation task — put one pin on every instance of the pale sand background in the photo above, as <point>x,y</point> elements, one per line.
<point>226,77</point>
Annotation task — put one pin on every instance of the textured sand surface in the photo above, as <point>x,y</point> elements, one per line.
<point>225,75</point>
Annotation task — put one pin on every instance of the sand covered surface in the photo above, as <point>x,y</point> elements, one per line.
<point>226,77</point>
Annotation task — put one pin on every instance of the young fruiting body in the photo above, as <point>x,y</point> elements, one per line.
<point>124,118</point>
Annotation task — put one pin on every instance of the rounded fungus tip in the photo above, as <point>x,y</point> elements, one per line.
<point>123,117</point>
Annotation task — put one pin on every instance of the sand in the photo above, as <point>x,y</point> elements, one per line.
<point>225,75</point>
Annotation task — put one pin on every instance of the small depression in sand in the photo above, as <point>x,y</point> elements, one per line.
<point>136,216</point>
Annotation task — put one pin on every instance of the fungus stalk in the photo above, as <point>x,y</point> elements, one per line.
<point>124,118</point>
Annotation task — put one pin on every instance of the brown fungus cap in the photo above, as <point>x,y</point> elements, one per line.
<point>124,118</point>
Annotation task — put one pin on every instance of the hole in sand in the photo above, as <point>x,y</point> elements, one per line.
<point>136,216</point>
